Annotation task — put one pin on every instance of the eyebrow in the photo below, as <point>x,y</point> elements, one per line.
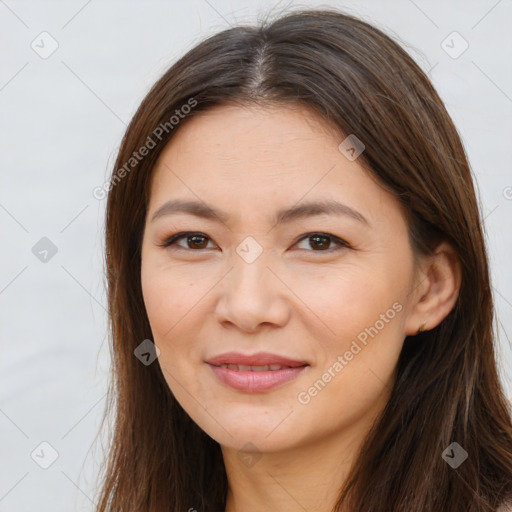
<point>304,210</point>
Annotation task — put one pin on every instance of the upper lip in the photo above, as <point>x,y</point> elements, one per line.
<point>259,359</point>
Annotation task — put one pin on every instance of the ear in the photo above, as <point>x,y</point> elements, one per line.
<point>436,290</point>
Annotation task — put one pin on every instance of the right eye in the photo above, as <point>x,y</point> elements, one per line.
<point>194,240</point>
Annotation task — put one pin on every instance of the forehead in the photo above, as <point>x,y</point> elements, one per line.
<point>250,143</point>
<point>251,156</point>
<point>252,131</point>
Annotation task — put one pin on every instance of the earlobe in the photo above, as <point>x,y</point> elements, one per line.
<point>437,293</point>
<point>422,327</point>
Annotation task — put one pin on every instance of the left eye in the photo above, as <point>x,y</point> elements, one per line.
<point>200,240</point>
<point>322,240</point>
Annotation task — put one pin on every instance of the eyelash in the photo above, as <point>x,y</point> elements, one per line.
<point>185,234</point>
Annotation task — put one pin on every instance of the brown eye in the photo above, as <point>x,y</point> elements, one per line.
<point>193,241</point>
<point>197,241</point>
<point>321,242</point>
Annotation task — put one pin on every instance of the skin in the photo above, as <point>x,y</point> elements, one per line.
<point>304,300</point>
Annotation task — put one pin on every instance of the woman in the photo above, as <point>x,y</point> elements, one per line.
<point>299,292</point>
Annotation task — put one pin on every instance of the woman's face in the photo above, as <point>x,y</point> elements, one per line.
<point>330,290</point>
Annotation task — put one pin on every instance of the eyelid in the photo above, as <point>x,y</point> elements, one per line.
<point>171,241</point>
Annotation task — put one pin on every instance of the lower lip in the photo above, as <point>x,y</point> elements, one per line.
<point>255,382</point>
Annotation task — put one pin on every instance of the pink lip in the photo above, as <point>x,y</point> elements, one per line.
<point>251,381</point>
<point>255,382</point>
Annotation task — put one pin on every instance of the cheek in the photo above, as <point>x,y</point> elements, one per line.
<point>363,310</point>
<point>173,301</point>
<point>168,296</point>
<point>356,367</point>
<point>349,300</point>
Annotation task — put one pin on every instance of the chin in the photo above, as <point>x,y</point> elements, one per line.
<point>268,433</point>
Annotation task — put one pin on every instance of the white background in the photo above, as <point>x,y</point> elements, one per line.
<point>62,119</point>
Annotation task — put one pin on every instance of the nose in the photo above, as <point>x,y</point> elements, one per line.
<point>252,295</point>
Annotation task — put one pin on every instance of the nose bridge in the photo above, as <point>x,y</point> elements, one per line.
<point>251,294</point>
<point>251,272</point>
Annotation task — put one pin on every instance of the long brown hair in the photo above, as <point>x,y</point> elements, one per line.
<point>447,388</point>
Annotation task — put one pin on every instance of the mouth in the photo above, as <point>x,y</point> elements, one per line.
<point>248,368</point>
<point>255,373</point>
<point>262,361</point>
